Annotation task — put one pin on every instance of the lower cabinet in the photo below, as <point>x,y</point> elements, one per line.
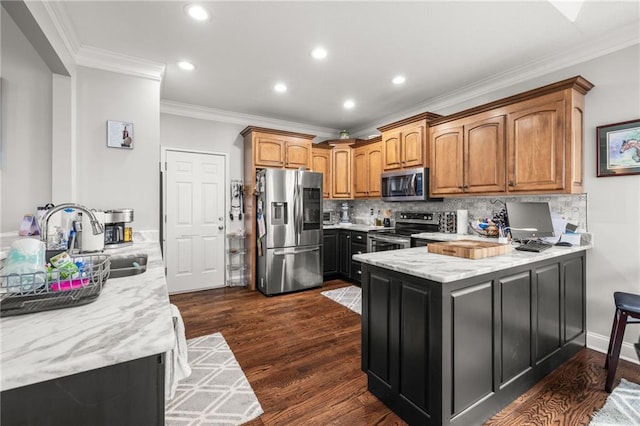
<point>456,353</point>
<point>339,246</point>
<point>130,393</point>
<point>330,252</point>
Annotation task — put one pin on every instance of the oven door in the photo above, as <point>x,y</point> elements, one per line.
<point>387,242</point>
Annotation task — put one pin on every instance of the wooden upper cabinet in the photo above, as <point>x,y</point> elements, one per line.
<point>341,174</point>
<point>404,143</point>
<point>484,155</point>
<point>269,152</point>
<point>321,163</point>
<point>392,150</point>
<point>530,143</point>
<point>297,154</point>
<point>275,148</point>
<point>446,172</point>
<point>413,147</point>
<point>374,164</point>
<point>367,170</point>
<point>536,147</point>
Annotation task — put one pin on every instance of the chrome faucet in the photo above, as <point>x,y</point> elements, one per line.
<point>95,224</point>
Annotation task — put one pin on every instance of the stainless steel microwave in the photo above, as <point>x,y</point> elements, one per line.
<point>407,185</point>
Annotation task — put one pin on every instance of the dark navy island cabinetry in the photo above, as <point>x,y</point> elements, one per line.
<point>455,353</point>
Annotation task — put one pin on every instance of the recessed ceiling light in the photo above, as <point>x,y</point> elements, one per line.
<point>280,87</point>
<point>186,65</point>
<point>348,104</point>
<point>197,12</point>
<point>319,53</point>
<point>398,79</point>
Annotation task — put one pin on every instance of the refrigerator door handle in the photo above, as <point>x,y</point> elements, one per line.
<point>298,207</point>
<point>285,253</point>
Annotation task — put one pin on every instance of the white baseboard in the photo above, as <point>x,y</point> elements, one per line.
<point>600,343</point>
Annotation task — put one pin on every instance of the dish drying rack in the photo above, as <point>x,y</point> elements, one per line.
<point>43,291</point>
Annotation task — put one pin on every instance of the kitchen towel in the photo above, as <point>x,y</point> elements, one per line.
<point>177,363</point>
<point>462,221</point>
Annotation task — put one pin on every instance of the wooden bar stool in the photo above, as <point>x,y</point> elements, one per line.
<point>627,305</point>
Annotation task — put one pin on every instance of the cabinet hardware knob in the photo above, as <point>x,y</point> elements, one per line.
<point>511,183</point>
<point>460,187</point>
<point>221,227</point>
<point>466,186</point>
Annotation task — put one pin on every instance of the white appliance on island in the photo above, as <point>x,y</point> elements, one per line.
<point>289,215</point>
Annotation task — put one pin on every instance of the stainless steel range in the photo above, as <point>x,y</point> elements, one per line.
<point>407,223</point>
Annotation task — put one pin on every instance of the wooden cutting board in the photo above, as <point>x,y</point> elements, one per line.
<point>469,249</point>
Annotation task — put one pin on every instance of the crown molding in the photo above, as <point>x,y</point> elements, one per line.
<point>60,17</point>
<point>110,61</point>
<point>616,40</point>
<point>213,114</point>
<point>94,57</point>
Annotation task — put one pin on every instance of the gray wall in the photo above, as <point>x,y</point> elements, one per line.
<point>25,153</point>
<point>113,177</point>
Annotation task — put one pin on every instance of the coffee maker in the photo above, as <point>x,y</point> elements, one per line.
<point>117,229</point>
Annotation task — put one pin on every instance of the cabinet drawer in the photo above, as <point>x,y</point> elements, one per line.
<point>359,237</point>
<point>358,248</point>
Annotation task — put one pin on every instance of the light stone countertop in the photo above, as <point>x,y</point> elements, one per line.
<point>420,263</point>
<point>130,319</point>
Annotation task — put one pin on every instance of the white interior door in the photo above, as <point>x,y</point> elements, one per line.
<point>195,236</point>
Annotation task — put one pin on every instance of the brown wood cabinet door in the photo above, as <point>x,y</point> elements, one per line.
<point>360,173</point>
<point>484,156</point>
<point>298,154</point>
<point>446,171</point>
<point>391,150</point>
<point>535,148</point>
<point>269,152</point>
<point>413,147</point>
<point>321,163</point>
<point>341,177</point>
<point>374,169</point>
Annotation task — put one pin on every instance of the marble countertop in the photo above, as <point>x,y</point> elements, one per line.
<point>130,319</point>
<point>437,267</point>
<point>355,227</point>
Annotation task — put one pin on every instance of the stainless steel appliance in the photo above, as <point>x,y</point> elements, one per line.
<point>407,185</point>
<point>289,211</point>
<point>117,232</point>
<point>407,223</point>
<point>329,217</point>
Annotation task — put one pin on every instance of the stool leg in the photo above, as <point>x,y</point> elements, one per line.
<point>615,353</point>
<point>612,337</point>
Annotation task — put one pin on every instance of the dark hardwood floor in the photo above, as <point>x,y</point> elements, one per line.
<point>301,355</point>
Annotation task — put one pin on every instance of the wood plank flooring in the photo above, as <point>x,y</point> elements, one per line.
<point>301,354</point>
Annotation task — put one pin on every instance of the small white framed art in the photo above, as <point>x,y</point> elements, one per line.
<point>119,134</point>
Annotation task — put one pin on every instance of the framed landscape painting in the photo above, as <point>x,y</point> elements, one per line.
<point>618,149</point>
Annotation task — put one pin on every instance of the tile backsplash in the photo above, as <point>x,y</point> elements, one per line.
<point>572,207</point>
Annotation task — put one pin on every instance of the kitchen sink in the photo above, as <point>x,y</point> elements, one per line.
<point>128,265</point>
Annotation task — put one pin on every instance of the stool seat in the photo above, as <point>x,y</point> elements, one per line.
<point>627,306</point>
<point>627,302</point>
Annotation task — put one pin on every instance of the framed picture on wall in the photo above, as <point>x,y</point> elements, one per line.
<point>119,134</point>
<point>618,149</point>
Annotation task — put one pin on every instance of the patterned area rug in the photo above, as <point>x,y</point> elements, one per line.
<point>217,392</point>
<point>351,297</point>
<point>622,407</point>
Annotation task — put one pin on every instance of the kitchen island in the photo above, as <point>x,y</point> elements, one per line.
<point>451,341</point>
<point>100,363</point>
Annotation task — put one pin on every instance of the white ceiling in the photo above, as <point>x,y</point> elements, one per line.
<point>246,47</point>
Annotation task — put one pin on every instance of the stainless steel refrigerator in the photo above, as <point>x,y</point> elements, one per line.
<point>289,214</point>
